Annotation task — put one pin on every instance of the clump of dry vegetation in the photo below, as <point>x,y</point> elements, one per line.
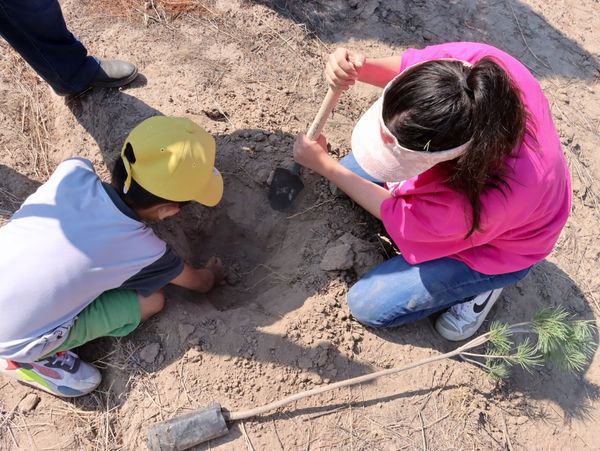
<point>159,11</point>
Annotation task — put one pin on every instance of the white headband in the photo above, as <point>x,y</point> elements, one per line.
<point>389,161</point>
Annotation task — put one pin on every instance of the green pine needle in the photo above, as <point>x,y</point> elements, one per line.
<point>578,348</point>
<point>498,369</point>
<point>500,338</point>
<point>575,360</point>
<point>527,355</point>
<point>583,334</point>
<point>551,325</point>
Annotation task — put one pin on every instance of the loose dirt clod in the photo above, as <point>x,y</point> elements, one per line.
<point>28,403</point>
<point>338,258</point>
<point>185,330</point>
<point>149,353</point>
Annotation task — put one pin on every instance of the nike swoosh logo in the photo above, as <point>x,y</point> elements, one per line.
<point>478,308</point>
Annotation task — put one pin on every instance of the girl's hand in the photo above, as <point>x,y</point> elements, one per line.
<point>312,154</point>
<point>342,68</point>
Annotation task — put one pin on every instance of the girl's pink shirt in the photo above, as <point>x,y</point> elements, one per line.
<point>520,224</point>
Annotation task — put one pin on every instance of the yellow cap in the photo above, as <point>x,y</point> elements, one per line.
<point>174,159</point>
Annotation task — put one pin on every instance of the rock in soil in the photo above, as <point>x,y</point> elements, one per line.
<point>185,330</point>
<point>338,258</point>
<point>215,115</point>
<point>149,352</point>
<point>28,403</point>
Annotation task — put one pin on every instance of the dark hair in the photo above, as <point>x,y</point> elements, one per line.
<point>442,104</point>
<point>136,197</point>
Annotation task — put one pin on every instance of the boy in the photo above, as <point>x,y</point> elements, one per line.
<point>78,263</point>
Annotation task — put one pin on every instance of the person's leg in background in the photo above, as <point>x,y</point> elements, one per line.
<point>36,29</point>
<point>396,292</point>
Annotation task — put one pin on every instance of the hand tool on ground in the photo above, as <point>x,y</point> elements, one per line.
<point>199,426</point>
<point>286,183</point>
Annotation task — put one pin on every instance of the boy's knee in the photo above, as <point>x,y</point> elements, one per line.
<point>151,305</point>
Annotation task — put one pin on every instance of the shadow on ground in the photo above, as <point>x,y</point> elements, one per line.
<point>14,188</point>
<point>270,256</point>
<point>545,286</point>
<point>509,25</point>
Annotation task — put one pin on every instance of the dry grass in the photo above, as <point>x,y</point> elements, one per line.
<point>159,11</point>
<point>27,107</point>
<point>34,116</point>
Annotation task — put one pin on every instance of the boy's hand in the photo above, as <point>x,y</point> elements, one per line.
<point>201,280</point>
<point>342,68</point>
<point>215,265</point>
<point>312,154</point>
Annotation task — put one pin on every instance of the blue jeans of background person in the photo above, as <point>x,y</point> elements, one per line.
<point>396,292</point>
<point>37,30</point>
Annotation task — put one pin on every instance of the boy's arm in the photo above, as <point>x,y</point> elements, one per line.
<point>201,280</point>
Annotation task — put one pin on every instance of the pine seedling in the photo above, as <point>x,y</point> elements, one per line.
<point>557,337</point>
<point>567,343</point>
<point>552,335</point>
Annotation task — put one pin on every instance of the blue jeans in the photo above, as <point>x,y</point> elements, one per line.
<point>396,292</point>
<point>37,30</point>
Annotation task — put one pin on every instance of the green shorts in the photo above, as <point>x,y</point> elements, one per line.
<point>114,313</point>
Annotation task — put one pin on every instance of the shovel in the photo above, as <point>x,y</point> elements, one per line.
<point>286,183</point>
<point>199,426</point>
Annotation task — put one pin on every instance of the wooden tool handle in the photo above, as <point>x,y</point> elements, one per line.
<point>244,414</point>
<point>329,102</point>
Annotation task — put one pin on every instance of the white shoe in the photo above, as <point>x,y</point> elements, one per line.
<point>462,320</point>
<point>63,374</point>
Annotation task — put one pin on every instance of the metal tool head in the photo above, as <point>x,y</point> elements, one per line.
<point>187,430</point>
<point>285,187</point>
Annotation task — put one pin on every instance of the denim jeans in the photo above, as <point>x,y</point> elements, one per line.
<point>36,29</point>
<point>396,292</point>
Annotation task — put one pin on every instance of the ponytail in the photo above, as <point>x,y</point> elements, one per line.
<point>497,126</point>
<point>442,104</point>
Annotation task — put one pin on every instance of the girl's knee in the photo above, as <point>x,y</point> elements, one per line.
<point>151,305</point>
<point>364,308</point>
<point>375,304</point>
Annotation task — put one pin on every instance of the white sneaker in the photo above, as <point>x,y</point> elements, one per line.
<point>462,320</point>
<point>63,374</point>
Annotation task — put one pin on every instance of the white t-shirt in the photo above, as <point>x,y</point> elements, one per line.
<point>68,243</point>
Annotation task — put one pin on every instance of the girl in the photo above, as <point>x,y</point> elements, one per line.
<point>461,161</point>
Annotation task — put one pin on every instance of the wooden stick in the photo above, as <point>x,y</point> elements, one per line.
<point>327,106</point>
<point>244,414</point>
<point>318,123</point>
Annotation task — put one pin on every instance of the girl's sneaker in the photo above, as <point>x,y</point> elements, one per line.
<point>63,374</point>
<point>462,320</point>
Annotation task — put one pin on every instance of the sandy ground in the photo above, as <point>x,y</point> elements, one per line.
<point>250,73</point>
